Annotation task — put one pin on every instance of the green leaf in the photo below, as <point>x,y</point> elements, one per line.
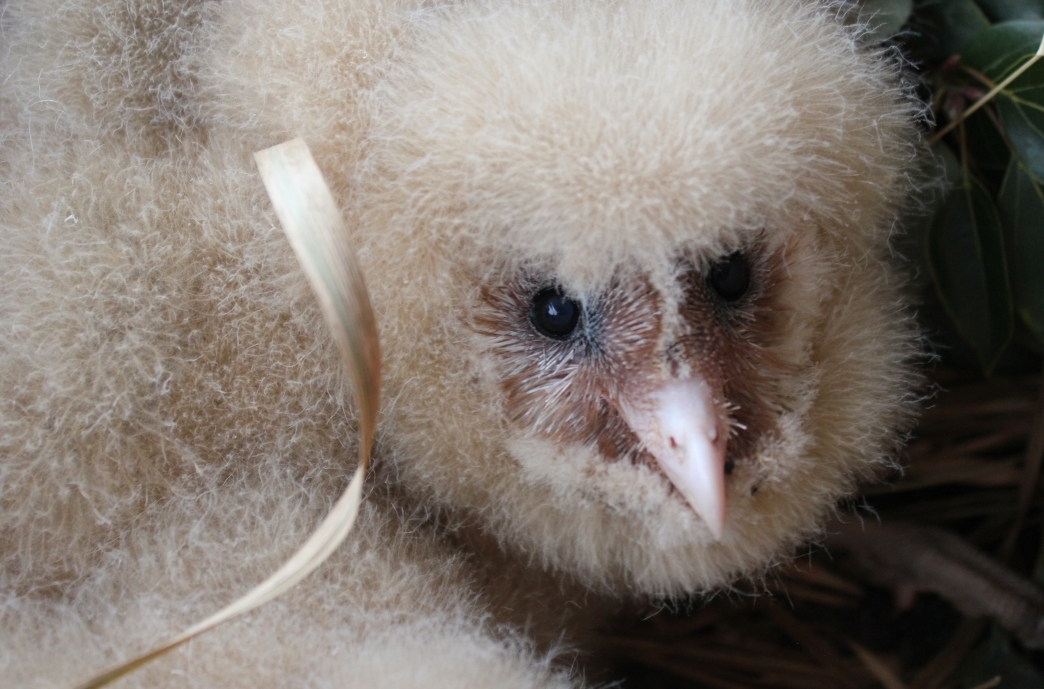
<point>1024,123</point>
<point>939,173</point>
<point>967,262</point>
<point>1021,202</point>
<point>948,166</point>
<point>1010,10</point>
<point>946,27</point>
<point>987,151</point>
<point>997,52</point>
<point>885,17</point>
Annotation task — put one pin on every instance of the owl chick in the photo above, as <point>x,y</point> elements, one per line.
<point>629,264</point>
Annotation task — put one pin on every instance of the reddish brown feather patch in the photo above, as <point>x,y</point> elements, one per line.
<point>730,346</point>
<point>569,391</point>
<point>566,390</point>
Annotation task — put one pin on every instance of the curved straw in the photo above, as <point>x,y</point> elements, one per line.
<point>316,231</point>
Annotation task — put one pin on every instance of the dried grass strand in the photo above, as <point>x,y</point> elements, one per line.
<point>877,667</point>
<point>1031,477</point>
<point>818,648</point>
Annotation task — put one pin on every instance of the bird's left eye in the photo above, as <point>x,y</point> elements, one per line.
<point>554,315</point>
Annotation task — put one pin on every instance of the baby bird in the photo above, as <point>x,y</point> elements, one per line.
<point>629,263</point>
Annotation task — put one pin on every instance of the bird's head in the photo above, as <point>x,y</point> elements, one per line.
<point>671,370</point>
<point>629,261</point>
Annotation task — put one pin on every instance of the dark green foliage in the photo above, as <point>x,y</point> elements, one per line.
<point>1010,10</point>
<point>984,244</point>
<point>997,52</point>
<point>1021,202</point>
<point>944,27</point>
<point>966,255</point>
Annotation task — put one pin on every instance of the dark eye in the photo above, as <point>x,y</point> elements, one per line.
<point>553,314</point>
<point>730,277</point>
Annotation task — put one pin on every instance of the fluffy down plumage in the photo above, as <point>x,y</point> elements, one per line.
<point>175,419</point>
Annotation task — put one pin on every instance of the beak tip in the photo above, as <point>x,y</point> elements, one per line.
<point>709,506</point>
<point>716,525</point>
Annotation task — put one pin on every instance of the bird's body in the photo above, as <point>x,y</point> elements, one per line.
<point>629,266</point>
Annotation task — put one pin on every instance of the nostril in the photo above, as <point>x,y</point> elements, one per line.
<point>674,355</point>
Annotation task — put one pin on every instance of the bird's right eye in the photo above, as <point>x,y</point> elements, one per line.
<point>553,314</point>
<point>730,277</point>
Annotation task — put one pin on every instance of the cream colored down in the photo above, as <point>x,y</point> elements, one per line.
<point>175,419</point>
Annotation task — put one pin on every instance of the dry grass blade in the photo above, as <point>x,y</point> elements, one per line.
<point>818,648</point>
<point>877,667</point>
<point>1031,471</point>
<point>314,227</point>
<point>945,469</point>
<point>812,575</point>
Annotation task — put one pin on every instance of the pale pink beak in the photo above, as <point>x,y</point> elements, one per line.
<point>680,425</point>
